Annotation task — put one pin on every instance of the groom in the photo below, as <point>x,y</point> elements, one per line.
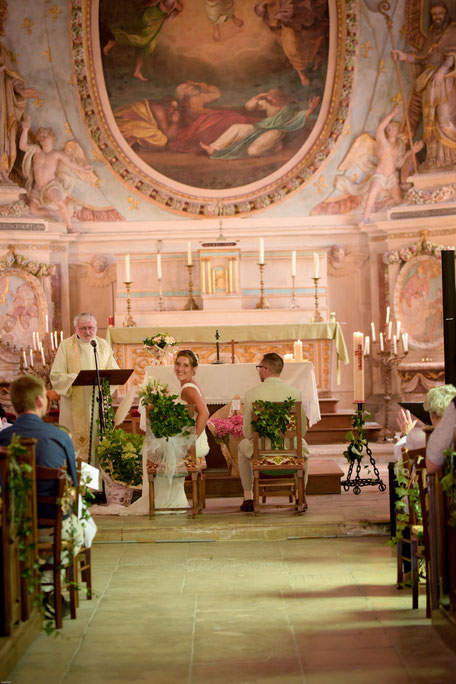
<point>271,388</point>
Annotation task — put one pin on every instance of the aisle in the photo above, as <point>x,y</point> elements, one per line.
<point>314,611</point>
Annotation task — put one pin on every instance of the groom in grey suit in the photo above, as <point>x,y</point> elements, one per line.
<point>271,388</point>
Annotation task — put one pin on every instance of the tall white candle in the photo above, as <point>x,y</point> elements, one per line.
<point>55,339</point>
<point>405,341</point>
<point>358,367</point>
<point>390,329</point>
<point>24,356</point>
<point>61,336</point>
<point>159,266</point>
<point>42,355</point>
<point>46,323</point>
<point>366,346</point>
<point>203,276</point>
<point>34,340</point>
<point>387,314</point>
<point>189,253</point>
<point>127,268</point>
<point>293,263</point>
<point>297,348</point>
<point>209,282</point>
<point>261,249</point>
<point>231,276</point>
<point>31,357</point>
<point>374,338</point>
<point>316,265</point>
<point>52,341</point>
<point>398,329</point>
<point>394,344</point>
<point>382,346</point>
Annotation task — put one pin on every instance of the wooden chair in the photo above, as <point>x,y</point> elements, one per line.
<point>192,467</point>
<point>286,461</point>
<point>415,532</point>
<point>82,562</point>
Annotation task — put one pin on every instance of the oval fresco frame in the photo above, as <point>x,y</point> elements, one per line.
<point>398,290</point>
<point>196,202</point>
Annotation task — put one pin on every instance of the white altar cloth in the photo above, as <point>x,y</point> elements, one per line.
<point>220,382</point>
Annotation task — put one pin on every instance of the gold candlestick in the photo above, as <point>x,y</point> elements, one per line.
<point>161,301</point>
<point>316,316</point>
<point>128,322</point>
<point>294,304</point>
<point>191,305</point>
<point>262,302</point>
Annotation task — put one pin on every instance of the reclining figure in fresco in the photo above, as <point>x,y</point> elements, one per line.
<point>46,170</point>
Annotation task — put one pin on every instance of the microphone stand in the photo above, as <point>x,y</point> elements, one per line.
<point>100,394</point>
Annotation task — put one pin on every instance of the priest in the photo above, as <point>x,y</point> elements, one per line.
<point>74,354</point>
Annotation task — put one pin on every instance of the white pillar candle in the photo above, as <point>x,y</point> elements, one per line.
<point>374,338</point>
<point>52,341</point>
<point>261,248</point>
<point>55,339</point>
<point>159,266</point>
<point>24,357</point>
<point>297,349</point>
<point>34,340</point>
<point>127,268</point>
<point>189,253</point>
<point>293,263</point>
<point>398,330</point>
<point>316,265</point>
<point>31,357</point>
<point>61,336</point>
<point>382,346</point>
<point>390,329</point>
<point>46,323</point>
<point>394,344</point>
<point>203,276</point>
<point>288,358</point>
<point>387,314</point>
<point>366,346</point>
<point>42,355</point>
<point>405,341</point>
<point>231,276</point>
<point>358,367</point>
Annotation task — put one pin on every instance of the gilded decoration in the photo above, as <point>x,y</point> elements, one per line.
<point>168,181</point>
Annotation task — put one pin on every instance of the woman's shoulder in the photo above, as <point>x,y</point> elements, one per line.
<point>191,385</point>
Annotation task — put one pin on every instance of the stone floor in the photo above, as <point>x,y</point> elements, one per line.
<point>230,598</point>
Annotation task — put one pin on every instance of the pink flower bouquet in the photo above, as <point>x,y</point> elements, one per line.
<point>224,427</point>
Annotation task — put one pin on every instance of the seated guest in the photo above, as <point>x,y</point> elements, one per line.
<point>441,439</point>
<point>3,418</point>
<point>271,388</point>
<point>53,449</point>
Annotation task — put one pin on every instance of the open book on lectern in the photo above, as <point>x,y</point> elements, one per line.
<point>116,376</point>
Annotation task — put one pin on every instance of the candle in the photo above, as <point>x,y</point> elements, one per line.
<point>297,348</point>
<point>31,357</point>
<point>387,314</point>
<point>46,323</point>
<point>405,341</point>
<point>366,346</point>
<point>159,266</point>
<point>358,367</point>
<point>374,339</point>
<point>34,340</point>
<point>382,346</point>
<point>42,355</point>
<point>394,344</point>
<point>261,257</point>
<point>111,321</point>
<point>203,276</point>
<point>390,329</point>
<point>61,332</point>
<point>316,265</point>
<point>24,357</point>
<point>398,330</point>
<point>288,358</point>
<point>293,263</point>
<point>231,276</point>
<point>52,341</point>
<point>127,268</point>
<point>189,253</point>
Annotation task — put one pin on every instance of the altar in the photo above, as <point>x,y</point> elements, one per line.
<point>323,344</point>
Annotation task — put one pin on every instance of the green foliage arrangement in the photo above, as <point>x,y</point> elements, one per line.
<point>168,416</point>
<point>407,486</point>
<point>273,420</point>
<point>448,483</point>
<point>357,437</point>
<point>120,455</point>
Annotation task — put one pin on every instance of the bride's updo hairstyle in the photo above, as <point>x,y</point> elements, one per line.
<point>191,356</point>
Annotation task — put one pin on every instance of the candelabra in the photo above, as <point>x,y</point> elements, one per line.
<point>354,454</point>
<point>294,304</point>
<point>191,305</point>
<point>387,359</point>
<point>316,316</point>
<point>262,302</point>
<point>38,361</point>
<point>128,322</point>
<point>161,300</point>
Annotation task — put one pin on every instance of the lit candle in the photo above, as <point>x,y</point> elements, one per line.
<point>366,346</point>
<point>52,341</point>
<point>46,323</point>
<point>405,341</point>
<point>382,346</point>
<point>297,349</point>
<point>394,344</point>
<point>398,329</point>
<point>358,367</point>
<point>61,333</point>
<point>387,314</point>
<point>189,253</point>
<point>24,357</point>
<point>293,263</point>
<point>159,266</point>
<point>127,268</point>
<point>390,329</point>
<point>288,358</point>
<point>316,265</point>
<point>56,344</point>
<point>42,355</point>
<point>34,340</point>
<point>374,339</point>
<point>261,257</point>
<point>31,357</point>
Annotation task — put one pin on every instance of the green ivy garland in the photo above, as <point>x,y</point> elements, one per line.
<point>273,420</point>
<point>357,437</point>
<point>167,415</point>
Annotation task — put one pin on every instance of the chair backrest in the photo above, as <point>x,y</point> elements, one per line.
<point>51,502</point>
<point>413,462</point>
<point>292,438</point>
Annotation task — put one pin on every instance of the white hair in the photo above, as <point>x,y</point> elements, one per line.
<point>84,315</point>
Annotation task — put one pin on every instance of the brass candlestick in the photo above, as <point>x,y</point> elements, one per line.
<point>128,322</point>
<point>191,305</point>
<point>262,302</point>
<point>161,301</point>
<point>294,304</point>
<point>316,316</point>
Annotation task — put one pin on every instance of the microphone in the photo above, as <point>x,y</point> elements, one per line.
<point>93,343</point>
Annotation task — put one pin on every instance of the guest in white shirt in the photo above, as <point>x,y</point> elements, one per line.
<point>441,439</point>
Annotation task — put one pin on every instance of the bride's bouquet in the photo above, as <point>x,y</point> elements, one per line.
<point>161,348</point>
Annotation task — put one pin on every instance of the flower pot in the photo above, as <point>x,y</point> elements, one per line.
<point>117,493</point>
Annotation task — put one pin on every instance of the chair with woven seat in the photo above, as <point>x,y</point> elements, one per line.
<point>284,468</point>
<point>82,560</point>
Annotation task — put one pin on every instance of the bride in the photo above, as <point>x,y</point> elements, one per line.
<point>169,492</point>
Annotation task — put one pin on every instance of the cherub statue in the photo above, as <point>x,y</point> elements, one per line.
<point>47,172</point>
<point>342,262</point>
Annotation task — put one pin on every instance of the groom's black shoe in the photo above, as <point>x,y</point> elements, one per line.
<point>247,506</point>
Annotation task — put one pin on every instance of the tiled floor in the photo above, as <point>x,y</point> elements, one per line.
<point>308,611</point>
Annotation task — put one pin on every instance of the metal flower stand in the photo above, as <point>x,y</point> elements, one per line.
<point>355,454</point>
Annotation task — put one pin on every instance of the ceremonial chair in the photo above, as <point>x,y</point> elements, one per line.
<point>190,467</point>
<point>415,534</point>
<point>82,561</point>
<point>287,461</point>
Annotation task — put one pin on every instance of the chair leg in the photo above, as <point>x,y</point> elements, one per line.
<point>415,576</point>
<point>86,571</point>
<point>195,503</point>
<point>151,496</point>
<point>71,575</point>
<point>400,568</point>
<point>202,492</point>
<point>428,590</point>
<point>300,501</point>
<point>57,597</point>
<point>256,492</point>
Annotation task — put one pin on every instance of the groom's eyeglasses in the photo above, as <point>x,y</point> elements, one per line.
<point>258,367</point>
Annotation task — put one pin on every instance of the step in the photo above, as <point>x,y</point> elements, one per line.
<point>337,435</point>
<point>328,404</point>
<point>329,421</point>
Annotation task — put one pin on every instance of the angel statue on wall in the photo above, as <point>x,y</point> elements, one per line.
<point>47,173</point>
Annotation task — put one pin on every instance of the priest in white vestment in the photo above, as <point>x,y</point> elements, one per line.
<point>76,353</point>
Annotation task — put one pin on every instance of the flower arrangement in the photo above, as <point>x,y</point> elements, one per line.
<point>224,427</point>
<point>423,247</point>
<point>273,420</point>
<point>168,416</point>
<point>162,341</point>
<point>120,455</point>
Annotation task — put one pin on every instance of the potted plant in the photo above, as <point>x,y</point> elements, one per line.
<point>120,457</point>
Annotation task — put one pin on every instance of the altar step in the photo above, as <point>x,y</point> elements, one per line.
<point>333,427</point>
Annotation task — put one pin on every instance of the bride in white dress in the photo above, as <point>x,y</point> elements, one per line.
<point>169,492</point>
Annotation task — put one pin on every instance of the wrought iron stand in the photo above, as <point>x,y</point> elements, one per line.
<point>356,457</point>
